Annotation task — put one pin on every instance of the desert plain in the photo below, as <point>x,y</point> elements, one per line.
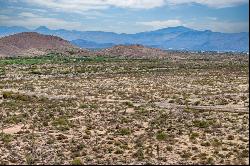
<point>110,110</point>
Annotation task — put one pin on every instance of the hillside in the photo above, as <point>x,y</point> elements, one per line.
<point>32,43</point>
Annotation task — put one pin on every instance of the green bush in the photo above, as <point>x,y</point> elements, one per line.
<point>61,123</point>
<point>139,154</point>
<point>124,131</point>
<point>193,136</point>
<point>6,138</point>
<point>76,162</point>
<point>201,123</point>
<point>7,95</point>
<point>161,136</point>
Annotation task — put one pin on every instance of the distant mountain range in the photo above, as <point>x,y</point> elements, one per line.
<point>172,38</point>
<point>27,44</point>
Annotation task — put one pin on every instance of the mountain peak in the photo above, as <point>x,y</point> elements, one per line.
<point>42,28</point>
<point>174,29</point>
<point>180,28</point>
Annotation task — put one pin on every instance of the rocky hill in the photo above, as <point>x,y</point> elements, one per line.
<point>34,44</point>
<point>133,51</point>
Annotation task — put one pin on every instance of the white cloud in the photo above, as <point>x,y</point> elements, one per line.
<point>46,9</point>
<point>27,14</point>
<point>210,3</point>
<point>220,26</point>
<point>84,5</point>
<point>212,18</point>
<point>143,4</point>
<point>209,23</point>
<point>32,21</point>
<point>4,17</point>
<point>161,24</point>
<point>80,6</point>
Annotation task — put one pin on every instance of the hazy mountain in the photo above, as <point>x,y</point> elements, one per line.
<point>5,31</point>
<point>90,45</point>
<point>168,38</point>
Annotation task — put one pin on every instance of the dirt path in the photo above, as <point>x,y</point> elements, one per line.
<point>162,104</point>
<point>222,108</point>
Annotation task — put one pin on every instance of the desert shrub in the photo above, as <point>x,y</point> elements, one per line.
<point>129,104</point>
<point>36,72</point>
<point>230,137</point>
<point>210,161</point>
<point>169,148</point>
<point>179,101</point>
<point>119,151</point>
<point>16,96</point>
<point>2,72</point>
<point>84,106</point>
<point>14,119</point>
<point>88,132</point>
<point>78,148</point>
<point>205,144</point>
<point>50,141</point>
<point>76,161</point>
<point>6,138</point>
<point>22,97</point>
<point>243,98</point>
<point>7,95</point>
<point>139,154</point>
<point>216,143</point>
<point>61,123</point>
<point>124,131</point>
<point>93,106</point>
<point>171,101</point>
<point>197,103</point>
<point>161,136</point>
<point>203,156</point>
<point>201,123</point>
<point>244,153</point>
<point>223,102</point>
<point>142,112</point>
<point>194,148</point>
<point>193,136</point>
<point>29,160</point>
<point>117,143</point>
<point>186,154</point>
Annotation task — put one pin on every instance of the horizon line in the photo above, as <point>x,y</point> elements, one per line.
<point>32,29</point>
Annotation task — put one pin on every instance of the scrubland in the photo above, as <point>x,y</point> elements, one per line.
<point>104,110</point>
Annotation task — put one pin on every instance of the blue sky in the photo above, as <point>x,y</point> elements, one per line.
<point>127,16</point>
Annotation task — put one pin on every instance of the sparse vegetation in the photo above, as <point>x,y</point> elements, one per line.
<point>107,110</point>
